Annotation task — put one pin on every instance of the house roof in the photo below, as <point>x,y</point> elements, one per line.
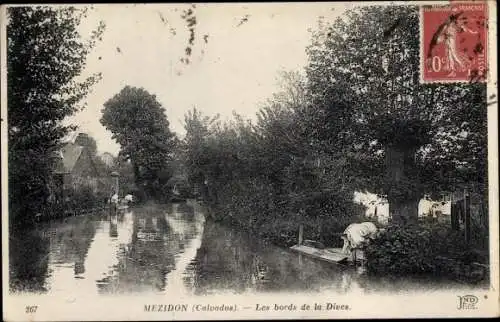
<point>108,158</point>
<point>69,154</point>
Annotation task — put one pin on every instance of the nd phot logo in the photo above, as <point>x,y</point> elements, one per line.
<point>467,302</point>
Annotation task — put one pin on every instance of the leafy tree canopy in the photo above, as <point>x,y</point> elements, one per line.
<point>139,124</point>
<point>402,138</point>
<point>45,54</point>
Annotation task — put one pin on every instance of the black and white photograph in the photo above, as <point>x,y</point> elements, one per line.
<point>191,161</point>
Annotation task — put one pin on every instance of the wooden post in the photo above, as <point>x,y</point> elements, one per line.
<point>454,209</point>
<point>467,216</point>
<point>117,185</point>
<point>301,234</point>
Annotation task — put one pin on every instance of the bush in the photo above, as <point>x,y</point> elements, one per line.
<point>82,199</point>
<point>275,218</point>
<point>423,248</point>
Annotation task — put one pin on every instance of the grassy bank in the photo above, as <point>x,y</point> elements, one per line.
<point>425,249</point>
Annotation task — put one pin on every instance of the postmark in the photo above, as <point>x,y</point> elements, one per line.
<point>453,42</point>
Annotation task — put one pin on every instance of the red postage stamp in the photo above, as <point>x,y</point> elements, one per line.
<point>454,42</point>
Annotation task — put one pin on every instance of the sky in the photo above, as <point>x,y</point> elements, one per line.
<point>235,70</point>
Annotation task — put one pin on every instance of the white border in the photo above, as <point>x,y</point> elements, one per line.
<point>415,304</point>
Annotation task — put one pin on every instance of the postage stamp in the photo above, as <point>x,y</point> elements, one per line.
<point>454,44</point>
<point>233,161</point>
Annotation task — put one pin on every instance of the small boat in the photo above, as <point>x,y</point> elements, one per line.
<point>176,195</point>
<point>318,251</point>
<point>149,236</point>
<point>330,255</point>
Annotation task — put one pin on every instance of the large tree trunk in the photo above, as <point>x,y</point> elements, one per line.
<point>402,195</point>
<point>404,212</point>
<point>137,175</point>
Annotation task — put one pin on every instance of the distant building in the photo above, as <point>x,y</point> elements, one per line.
<point>108,159</point>
<point>76,168</point>
<point>434,208</point>
<point>377,207</point>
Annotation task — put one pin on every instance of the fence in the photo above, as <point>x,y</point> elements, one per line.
<point>472,218</point>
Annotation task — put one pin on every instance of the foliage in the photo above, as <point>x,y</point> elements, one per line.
<point>198,129</point>
<point>45,55</point>
<point>139,124</point>
<point>127,179</point>
<point>420,248</point>
<point>84,198</point>
<point>399,138</point>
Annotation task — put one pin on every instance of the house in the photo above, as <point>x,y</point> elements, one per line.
<point>108,159</point>
<point>76,168</point>
<point>434,208</point>
<point>377,207</point>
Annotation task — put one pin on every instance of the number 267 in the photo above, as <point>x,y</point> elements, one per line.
<point>31,309</point>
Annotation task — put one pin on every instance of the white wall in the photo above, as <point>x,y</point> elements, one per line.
<point>426,206</point>
<point>372,201</point>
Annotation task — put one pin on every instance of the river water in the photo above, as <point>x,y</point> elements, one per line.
<point>161,249</point>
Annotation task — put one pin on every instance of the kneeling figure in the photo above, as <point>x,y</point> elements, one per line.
<point>357,235</point>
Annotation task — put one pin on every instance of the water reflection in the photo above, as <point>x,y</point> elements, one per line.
<point>162,249</point>
<point>235,261</point>
<point>29,265</point>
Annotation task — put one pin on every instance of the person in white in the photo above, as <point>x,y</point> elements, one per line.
<point>128,198</point>
<point>114,199</point>
<point>357,235</point>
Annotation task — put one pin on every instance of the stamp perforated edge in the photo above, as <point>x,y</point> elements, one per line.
<point>421,49</point>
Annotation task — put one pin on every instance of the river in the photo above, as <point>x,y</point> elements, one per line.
<point>160,249</point>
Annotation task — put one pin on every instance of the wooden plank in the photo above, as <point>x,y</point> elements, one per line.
<point>331,256</point>
<point>360,255</point>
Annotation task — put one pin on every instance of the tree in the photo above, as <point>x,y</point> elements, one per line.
<point>261,175</point>
<point>401,138</point>
<point>139,124</point>
<point>45,54</point>
<point>198,129</point>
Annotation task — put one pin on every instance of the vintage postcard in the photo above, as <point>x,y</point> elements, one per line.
<point>249,161</point>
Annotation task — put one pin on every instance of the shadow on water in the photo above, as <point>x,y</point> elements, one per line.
<point>59,243</point>
<point>144,261</point>
<point>238,262</point>
<point>171,248</point>
<point>28,262</point>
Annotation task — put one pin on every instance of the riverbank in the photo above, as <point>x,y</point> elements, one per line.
<point>97,254</point>
<point>415,251</point>
<point>281,226</point>
<point>426,249</point>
